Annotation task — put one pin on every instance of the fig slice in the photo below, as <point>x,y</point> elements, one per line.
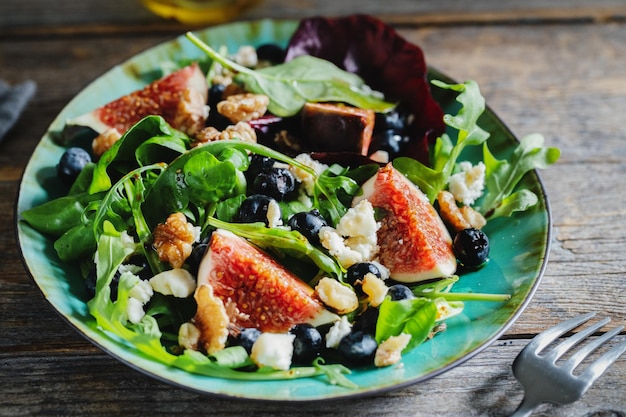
<point>180,97</point>
<point>255,289</point>
<point>414,242</point>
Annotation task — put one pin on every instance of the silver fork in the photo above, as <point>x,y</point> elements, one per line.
<point>546,381</point>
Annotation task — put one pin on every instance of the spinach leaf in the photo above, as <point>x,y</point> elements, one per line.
<point>210,180</point>
<point>149,141</point>
<point>502,176</point>
<point>415,317</point>
<point>170,192</point>
<point>304,79</point>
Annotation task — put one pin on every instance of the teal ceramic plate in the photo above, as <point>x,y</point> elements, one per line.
<point>519,248</point>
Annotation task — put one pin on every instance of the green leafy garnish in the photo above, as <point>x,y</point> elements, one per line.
<point>501,177</point>
<point>304,79</point>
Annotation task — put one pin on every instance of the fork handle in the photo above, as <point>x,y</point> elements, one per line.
<point>526,408</point>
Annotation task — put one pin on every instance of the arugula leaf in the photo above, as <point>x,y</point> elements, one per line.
<point>445,153</point>
<point>415,317</point>
<point>502,176</point>
<point>329,185</point>
<point>303,79</point>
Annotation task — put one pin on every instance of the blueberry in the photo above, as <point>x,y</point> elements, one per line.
<point>254,209</point>
<point>91,279</point>
<point>392,120</point>
<point>246,338</point>
<point>270,52</point>
<point>400,292</point>
<point>72,163</point>
<point>216,91</point>
<point>390,141</point>
<point>307,345</point>
<point>471,247</point>
<point>197,254</point>
<point>309,224</point>
<point>258,164</point>
<point>358,271</point>
<point>278,183</point>
<point>141,262</point>
<point>366,321</point>
<point>358,348</point>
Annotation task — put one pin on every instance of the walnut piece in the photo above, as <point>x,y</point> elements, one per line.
<point>191,112</point>
<point>458,218</point>
<point>242,131</point>
<point>104,141</point>
<point>243,107</point>
<point>173,239</point>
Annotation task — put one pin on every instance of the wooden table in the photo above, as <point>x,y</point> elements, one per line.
<point>554,67</point>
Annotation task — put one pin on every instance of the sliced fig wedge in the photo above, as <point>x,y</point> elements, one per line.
<point>256,291</point>
<point>179,97</point>
<point>414,242</point>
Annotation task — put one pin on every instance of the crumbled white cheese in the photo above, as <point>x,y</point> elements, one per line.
<point>274,350</point>
<point>336,295</point>
<point>307,180</point>
<point>359,227</point>
<point>142,291</point>
<point>334,243</point>
<point>468,183</point>
<point>189,336</point>
<point>338,331</point>
<point>390,350</point>
<point>177,282</point>
<point>375,289</point>
<point>134,310</point>
<point>274,214</point>
<point>139,294</point>
<point>246,56</point>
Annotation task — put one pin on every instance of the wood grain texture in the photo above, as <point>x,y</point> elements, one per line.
<point>562,77</point>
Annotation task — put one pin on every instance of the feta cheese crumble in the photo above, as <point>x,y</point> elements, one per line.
<point>177,282</point>
<point>336,295</point>
<point>358,226</point>
<point>274,350</point>
<point>338,331</point>
<point>467,185</point>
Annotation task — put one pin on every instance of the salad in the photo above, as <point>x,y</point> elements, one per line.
<point>172,204</point>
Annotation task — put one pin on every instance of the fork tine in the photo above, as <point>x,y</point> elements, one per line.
<point>571,341</point>
<point>546,337</point>
<point>596,369</point>
<point>579,356</point>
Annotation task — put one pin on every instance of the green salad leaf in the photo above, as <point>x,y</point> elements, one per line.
<point>304,79</point>
<point>502,176</point>
<point>149,141</point>
<point>415,316</point>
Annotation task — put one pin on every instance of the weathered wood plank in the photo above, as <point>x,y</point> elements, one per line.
<point>20,17</point>
<point>100,385</point>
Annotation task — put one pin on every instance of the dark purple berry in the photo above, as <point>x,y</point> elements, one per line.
<point>471,247</point>
<point>309,224</point>
<point>400,292</point>
<point>307,345</point>
<point>358,348</point>
<point>72,162</point>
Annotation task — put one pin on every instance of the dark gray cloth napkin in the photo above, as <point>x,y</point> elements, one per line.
<point>13,100</point>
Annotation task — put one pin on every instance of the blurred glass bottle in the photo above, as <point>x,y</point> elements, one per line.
<point>199,12</point>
